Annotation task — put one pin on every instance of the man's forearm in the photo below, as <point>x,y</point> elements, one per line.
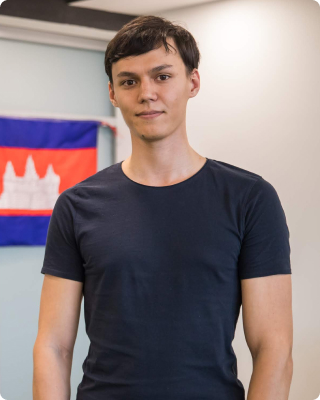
<point>271,376</point>
<point>51,374</point>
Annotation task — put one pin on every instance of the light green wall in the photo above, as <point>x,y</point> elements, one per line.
<point>42,78</point>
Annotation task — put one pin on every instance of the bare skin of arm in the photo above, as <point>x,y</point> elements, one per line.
<point>60,308</point>
<point>268,328</point>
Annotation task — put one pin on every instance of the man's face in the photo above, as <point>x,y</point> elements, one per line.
<point>166,90</point>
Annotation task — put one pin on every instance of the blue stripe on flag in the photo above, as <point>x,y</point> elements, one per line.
<point>23,230</point>
<point>47,134</point>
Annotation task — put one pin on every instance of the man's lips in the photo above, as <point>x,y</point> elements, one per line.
<point>153,115</point>
<point>149,112</point>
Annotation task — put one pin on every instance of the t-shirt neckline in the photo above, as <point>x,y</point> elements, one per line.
<point>167,186</point>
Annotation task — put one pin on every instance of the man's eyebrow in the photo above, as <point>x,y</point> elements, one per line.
<point>155,69</point>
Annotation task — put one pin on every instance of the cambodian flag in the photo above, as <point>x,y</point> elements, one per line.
<point>39,159</point>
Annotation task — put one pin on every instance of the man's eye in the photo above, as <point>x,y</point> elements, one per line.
<point>165,75</point>
<point>130,80</point>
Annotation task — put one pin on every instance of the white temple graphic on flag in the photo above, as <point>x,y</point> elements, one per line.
<point>29,192</point>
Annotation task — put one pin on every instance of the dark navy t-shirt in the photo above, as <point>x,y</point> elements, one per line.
<point>161,268</point>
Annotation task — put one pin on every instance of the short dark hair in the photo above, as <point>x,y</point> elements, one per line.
<point>149,32</point>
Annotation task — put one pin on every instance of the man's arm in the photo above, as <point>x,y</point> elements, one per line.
<point>53,349</point>
<point>268,329</point>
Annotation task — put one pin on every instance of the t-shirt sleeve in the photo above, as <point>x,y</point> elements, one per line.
<point>62,256</point>
<point>265,247</point>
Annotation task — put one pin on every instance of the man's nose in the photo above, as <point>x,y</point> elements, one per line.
<point>147,90</point>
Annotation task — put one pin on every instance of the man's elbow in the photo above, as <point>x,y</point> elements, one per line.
<point>282,356</point>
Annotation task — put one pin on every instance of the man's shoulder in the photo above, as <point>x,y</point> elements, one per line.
<point>94,184</point>
<point>233,174</point>
<point>100,177</point>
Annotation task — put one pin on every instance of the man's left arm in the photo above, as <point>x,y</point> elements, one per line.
<point>268,328</point>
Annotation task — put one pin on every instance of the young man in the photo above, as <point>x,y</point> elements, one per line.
<point>165,247</point>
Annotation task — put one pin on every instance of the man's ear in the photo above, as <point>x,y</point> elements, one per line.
<point>112,95</point>
<point>195,81</point>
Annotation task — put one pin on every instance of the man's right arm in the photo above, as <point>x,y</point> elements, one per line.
<point>60,308</point>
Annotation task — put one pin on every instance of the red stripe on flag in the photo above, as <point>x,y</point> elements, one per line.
<point>25,213</point>
<point>72,166</point>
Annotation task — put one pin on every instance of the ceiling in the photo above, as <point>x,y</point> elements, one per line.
<point>136,7</point>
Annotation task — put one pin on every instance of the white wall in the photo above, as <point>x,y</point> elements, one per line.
<point>259,109</point>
